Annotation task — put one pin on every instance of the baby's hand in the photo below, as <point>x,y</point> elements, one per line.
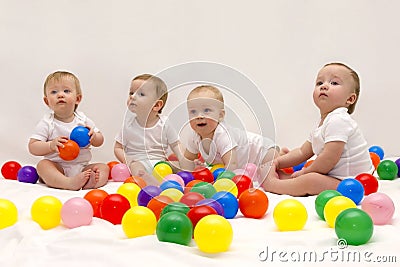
<point>57,142</point>
<point>297,174</point>
<point>92,134</point>
<point>198,163</point>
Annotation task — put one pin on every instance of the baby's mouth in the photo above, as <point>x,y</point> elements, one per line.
<point>201,124</point>
<point>323,94</point>
<point>61,102</point>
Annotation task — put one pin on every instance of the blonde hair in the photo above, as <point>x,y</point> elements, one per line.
<point>209,89</point>
<point>356,80</point>
<point>58,76</point>
<point>160,87</point>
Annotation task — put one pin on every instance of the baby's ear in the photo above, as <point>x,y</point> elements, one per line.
<point>352,99</point>
<point>46,101</point>
<point>158,105</point>
<point>221,114</point>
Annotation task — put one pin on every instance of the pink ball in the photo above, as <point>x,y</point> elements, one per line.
<point>252,171</point>
<point>176,178</point>
<point>76,212</point>
<point>120,172</point>
<point>379,206</point>
<point>241,172</point>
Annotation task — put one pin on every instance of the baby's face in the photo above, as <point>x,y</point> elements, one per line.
<point>205,112</point>
<point>142,97</point>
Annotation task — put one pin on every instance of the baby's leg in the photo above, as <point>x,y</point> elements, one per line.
<point>53,175</point>
<point>138,169</point>
<point>98,177</point>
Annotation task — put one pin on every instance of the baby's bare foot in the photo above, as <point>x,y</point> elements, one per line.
<point>91,182</point>
<point>79,180</point>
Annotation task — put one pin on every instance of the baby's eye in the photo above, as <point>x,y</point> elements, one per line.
<point>207,110</point>
<point>53,92</point>
<point>141,94</point>
<point>131,93</point>
<point>193,112</point>
<point>67,91</point>
<point>318,83</point>
<point>334,83</point>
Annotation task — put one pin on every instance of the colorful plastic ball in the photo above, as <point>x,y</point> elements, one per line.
<point>355,226</point>
<point>190,185</point>
<point>195,214</point>
<point>213,204</point>
<point>186,176</point>
<point>352,189</point>
<point>191,198</point>
<point>226,175</point>
<point>377,150</point>
<point>110,165</point>
<point>173,193</point>
<point>322,199</point>
<point>299,166</point>
<point>46,211</point>
<point>206,189</point>
<point>252,170</point>
<point>228,202</point>
<point>216,166</point>
<point>398,166</point>
<point>290,215</point>
<point>162,162</point>
<point>336,205</point>
<point>136,180</point>
<point>288,170</point>
<point>28,174</point>
<point>80,135</point>
<point>76,212</point>
<point>218,172</point>
<point>147,193</point>
<point>375,159</point>
<point>161,170</point>
<point>174,227</point>
<point>138,221</point>
<point>174,178</point>
<point>130,191</point>
<point>213,234</point>
<point>171,184</point>
<point>379,206</point>
<point>387,170</point>
<point>158,203</point>
<point>308,163</point>
<point>243,182</point>
<point>69,151</point>
<point>369,182</point>
<point>172,157</point>
<point>175,206</point>
<point>241,172</point>
<point>95,198</point>
<point>253,203</point>
<point>226,184</point>
<point>113,208</point>
<point>8,213</point>
<point>203,174</point>
<point>10,169</point>
<point>120,172</point>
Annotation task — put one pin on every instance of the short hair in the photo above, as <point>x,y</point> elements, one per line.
<point>160,87</point>
<point>208,88</point>
<point>356,80</point>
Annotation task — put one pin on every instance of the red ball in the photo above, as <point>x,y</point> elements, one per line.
<point>253,203</point>
<point>191,198</point>
<point>95,198</point>
<point>196,213</point>
<point>10,169</point>
<point>113,208</point>
<point>70,150</point>
<point>242,182</point>
<point>369,182</point>
<point>203,174</point>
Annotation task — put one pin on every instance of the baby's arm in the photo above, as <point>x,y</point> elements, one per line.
<point>119,152</point>
<point>42,148</point>
<point>295,156</point>
<point>96,138</point>
<point>187,162</point>
<point>230,160</point>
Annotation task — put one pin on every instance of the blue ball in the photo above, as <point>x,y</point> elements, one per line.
<point>377,150</point>
<point>217,172</point>
<point>299,167</point>
<point>352,189</point>
<point>28,174</point>
<point>171,184</point>
<point>228,202</point>
<point>80,135</point>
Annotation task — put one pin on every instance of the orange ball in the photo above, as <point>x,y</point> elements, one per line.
<point>110,165</point>
<point>375,159</point>
<point>189,185</point>
<point>70,150</point>
<point>253,203</point>
<point>308,163</point>
<point>137,180</point>
<point>95,198</point>
<point>157,203</point>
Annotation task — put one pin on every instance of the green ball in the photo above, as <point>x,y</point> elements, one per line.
<point>175,206</point>
<point>322,199</point>
<point>204,188</point>
<point>226,174</point>
<point>174,227</point>
<point>355,226</point>
<point>387,170</point>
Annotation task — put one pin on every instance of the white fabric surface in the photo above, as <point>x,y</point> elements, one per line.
<point>104,244</point>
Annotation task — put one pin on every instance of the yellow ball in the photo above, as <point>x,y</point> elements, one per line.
<point>213,234</point>
<point>290,215</point>
<point>161,170</point>
<point>8,213</point>
<point>138,221</point>
<point>217,166</point>
<point>46,211</point>
<point>225,184</point>
<point>173,193</point>
<point>336,205</point>
<point>130,191</point>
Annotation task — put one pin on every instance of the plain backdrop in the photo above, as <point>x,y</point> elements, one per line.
<point>277,45</point>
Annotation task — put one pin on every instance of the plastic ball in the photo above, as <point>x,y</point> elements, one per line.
<point>379,206</point>
<point>377,150</point>
<point>308,163</point>
<point>161,170</point>
<point>253,203</point>
<point>110,165</point>
<point>190,185</point>
<point>299,166</point>
<point>76,212</point>
<point>8,213</point>
<point>203,174</point>
<point>243,182</point>
<point>175,206</point>
<point>173,193</point>
<point>226,184</point>
<point>174,227</point>
<point>336,205</point>
<point>288,170</point>
<point>398,166</point>
<point>213,234</point>
<point>130,191</point>
<point>191,198</point>
<point>120,172</point>
<point>172,157</point>
<point>226,175</point>
<point>113,208</point>
<point>387,170</point>
<point>352,189</point>
<point>70,151</point>
<point>252,170</point>
<point>10,169</point>
<point>355,226</point>
<point>28,174</point>
<point>241,172</point>
<point>195,214</point>
<point>375,159</point>
<point>290,215</point>
<point>80,135</point>
<point>216,166</point>
<point>217,172</point>
<point>138,221</point>
<point>136,180</point>
<point>171,184</point>
<point>46,211</point>
<point>95,198</point>
<point>213,204</point>
<point>322,199</point>
<point>175,178</point>
<point>369,182</point>
<point>186,176</point>
<point>228,202</point>
<point>158,203</point>
<point>206,189</point>
<point>147,193</point>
